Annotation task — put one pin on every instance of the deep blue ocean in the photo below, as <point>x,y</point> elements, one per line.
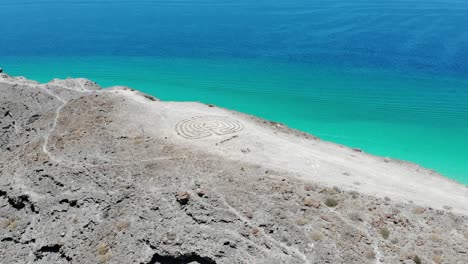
<point>389,77</point>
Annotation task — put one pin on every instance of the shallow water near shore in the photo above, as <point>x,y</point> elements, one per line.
<point>389,77</point>
<point>415,118</point>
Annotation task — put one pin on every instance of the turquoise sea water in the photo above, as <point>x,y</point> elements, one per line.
<point>389,78</point>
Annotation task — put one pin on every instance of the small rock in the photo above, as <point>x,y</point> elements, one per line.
<point>1,70</point>
<point>325,218</point>
<point>249,215</point>
<point>460,250</point>
<point>419,242</point>
<point>201,193</point>
<point>183,197</point>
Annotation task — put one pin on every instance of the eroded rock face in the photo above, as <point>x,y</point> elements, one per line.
<point>83,180</point>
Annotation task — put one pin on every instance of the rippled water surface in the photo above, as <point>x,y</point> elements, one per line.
<point>390,77</point>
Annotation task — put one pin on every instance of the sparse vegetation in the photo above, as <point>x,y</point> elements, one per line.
<point>105,258</point>
<point>419,210</point>
<point>122,225</point>
<point>370,254</point>
<point>385,232</point>
<point>9,223</point>
<point>302,221</point>
<point>317,236</point>
<point>102,248</point>
<point>307,201</point>
<point>330,202</point>
<point>354,194</point>
<point>417,260</point>
<point>435,238</point>
<point>255,231</point>
<point>4,223</point>
<point>437,259</point>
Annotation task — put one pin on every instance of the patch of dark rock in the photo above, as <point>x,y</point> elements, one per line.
<point>33,119</point>
<point>72,203</point>
<point>20,202</point>
<point>149,97</point>
<point>10,239</point>
<point>53,180</point>
<point>182,259</point>
<point>55,248</point>
<point>228,139</point>
<point>201,193</point>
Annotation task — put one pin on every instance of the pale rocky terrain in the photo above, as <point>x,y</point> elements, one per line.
<point>115,176</point>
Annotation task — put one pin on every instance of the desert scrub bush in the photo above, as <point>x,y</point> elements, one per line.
<point>434,238</point>
<point>385,232</point>
<point>354,194</point>
<point>102,248</point>
<point>417,260</point>
<point>105,258</point>
<point>9,224</point>
<point>437,259</point>
<point>122,225</point>
<point>302,221</point>
<point>419,210</point>
<point>317,236</point>
<point>330,202</point>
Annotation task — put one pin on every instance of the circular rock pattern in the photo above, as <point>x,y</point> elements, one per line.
<point>205,126</point>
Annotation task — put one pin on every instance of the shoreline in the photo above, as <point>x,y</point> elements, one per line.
<point>368,184</point>
<point>251,116</point>
<point>118,176</point>
<point>401,130</point>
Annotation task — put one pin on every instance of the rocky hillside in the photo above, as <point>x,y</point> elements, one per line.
<point>115,176</point>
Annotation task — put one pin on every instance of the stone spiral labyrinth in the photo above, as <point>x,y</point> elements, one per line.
<point>205,126</point>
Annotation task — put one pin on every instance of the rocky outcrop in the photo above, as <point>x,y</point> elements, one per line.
<point>90,175</point>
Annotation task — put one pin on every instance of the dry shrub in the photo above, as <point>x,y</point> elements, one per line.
<point>385,232</point>
<point>317,236</point>
<point>102,248</point>
<point>437,259</point>
<point>419,210</point>
<point>122,225</point>
<point>330,202</point>
<point>302,221</point>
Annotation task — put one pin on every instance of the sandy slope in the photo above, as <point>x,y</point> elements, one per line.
<point>273,145</point>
